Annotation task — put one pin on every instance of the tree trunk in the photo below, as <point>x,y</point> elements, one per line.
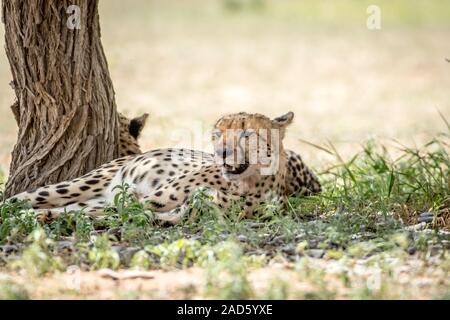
<point>65,106</point>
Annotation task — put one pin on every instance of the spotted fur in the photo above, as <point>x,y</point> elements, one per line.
<point>164,179</point>
<point>129,132</point>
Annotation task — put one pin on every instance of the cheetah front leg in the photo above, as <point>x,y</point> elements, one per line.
<point>93,208</point>
<point>173,216</point>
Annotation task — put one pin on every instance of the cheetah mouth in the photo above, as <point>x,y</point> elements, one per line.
<point>232,170</point>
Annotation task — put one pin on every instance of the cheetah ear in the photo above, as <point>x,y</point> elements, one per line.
<point>137,124</point>
<point>284,120</point>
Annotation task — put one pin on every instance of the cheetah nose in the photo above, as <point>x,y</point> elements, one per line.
<point>224,153</point>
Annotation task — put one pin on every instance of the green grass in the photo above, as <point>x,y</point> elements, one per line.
<point>374,183</point>
<point>39,257</point>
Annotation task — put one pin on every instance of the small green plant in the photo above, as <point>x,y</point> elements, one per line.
<point>226,272</point>
<point>17,221</point>
<point>74,222</point>
<point>83,226</point>
<point>278,289</point>
<point>39,258</point>
<point>316,278</point>
<point>270,211</point>
<point>141,260</point>
<point>201,204</point>
<point>178,254</point>
<point>102,255</point>
<point>11,290</point>
<point>135,219</point>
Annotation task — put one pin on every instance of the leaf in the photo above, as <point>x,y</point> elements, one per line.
<point>316,146</point>
<point>444,119</point>
<point>391,182</point>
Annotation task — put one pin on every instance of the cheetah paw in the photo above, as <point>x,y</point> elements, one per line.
<point>46,215</point>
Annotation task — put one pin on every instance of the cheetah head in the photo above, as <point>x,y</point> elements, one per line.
<point>130,130</point>
<point>249,144</point>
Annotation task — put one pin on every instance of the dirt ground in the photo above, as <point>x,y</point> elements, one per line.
<point>410,279</point>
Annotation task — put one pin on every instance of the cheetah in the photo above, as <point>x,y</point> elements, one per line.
<point>297,174</point>
<point>249,165</point>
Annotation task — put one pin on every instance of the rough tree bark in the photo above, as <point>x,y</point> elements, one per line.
<point>65,106</point>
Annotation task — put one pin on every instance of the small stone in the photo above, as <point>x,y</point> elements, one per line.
<point>312,244</point>
<point>242,238</point>
<point>289,248</point>
<point>416,227</point>
<point>278,240</point>
<point>315,253</point>
<point>64,245</point>
<point>255,225</point>
<point>126,254</point>
<point>196,237</point>
<point>258,252</point>
<point>356,236</point>
<point>116,232</point>
<point>97,232</point>
<point>8,248</point>
<point>73,269</point>
<point>435,250</point>
<point>300,236</point>
<point>426,217</point>
<point>223,235</point>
